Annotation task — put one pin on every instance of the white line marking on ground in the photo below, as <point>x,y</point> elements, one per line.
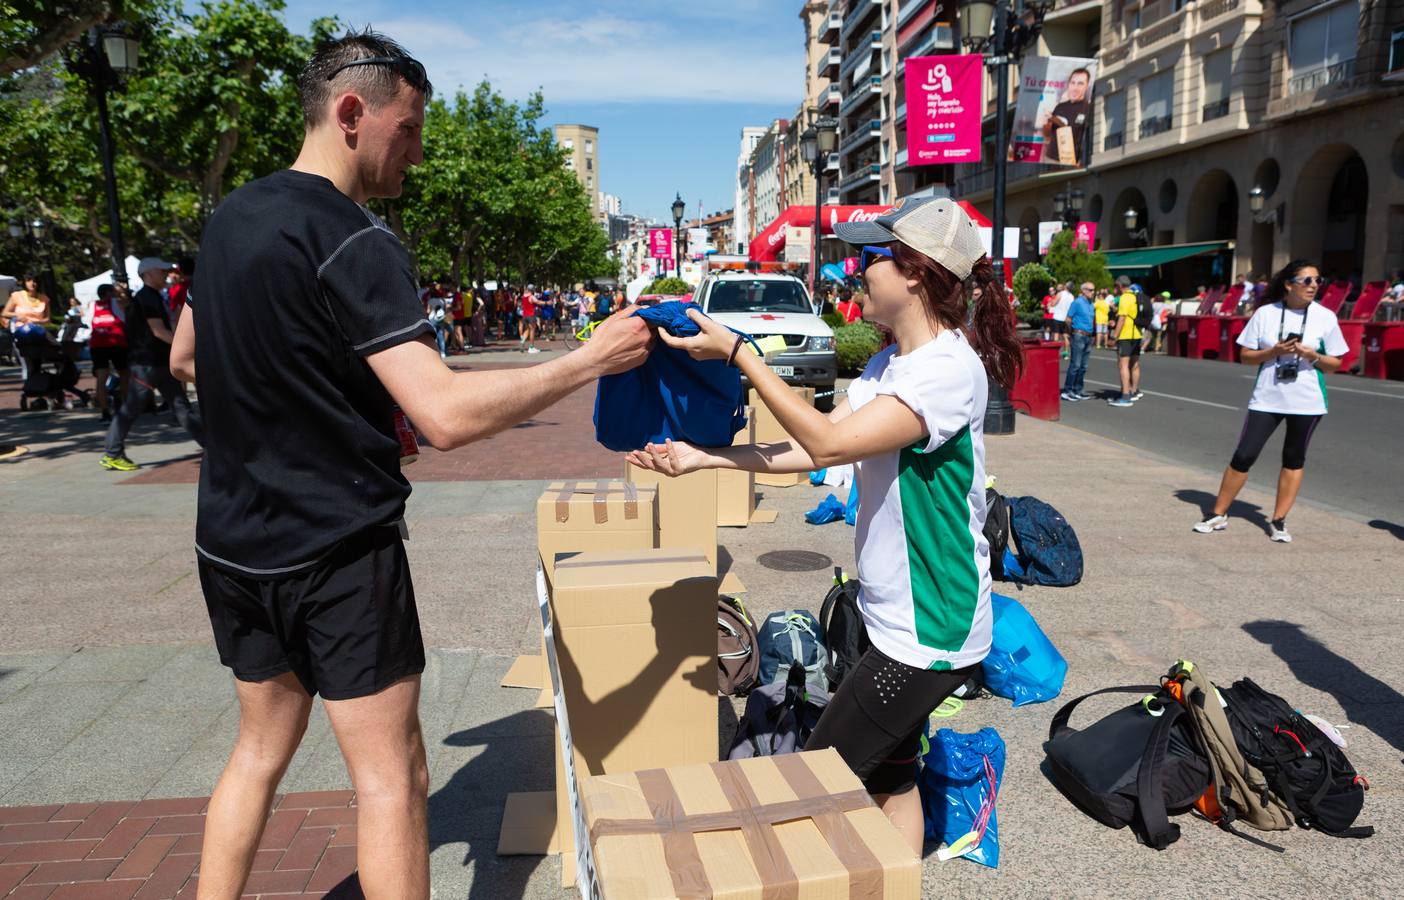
<point>1168,396</point>
<point>1332,388</point>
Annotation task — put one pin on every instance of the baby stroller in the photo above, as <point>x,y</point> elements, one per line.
<point>50,377</point>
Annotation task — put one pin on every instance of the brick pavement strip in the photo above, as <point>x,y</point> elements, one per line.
<point>149,850</point>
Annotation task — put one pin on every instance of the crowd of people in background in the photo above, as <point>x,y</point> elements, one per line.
<point>471,316</point>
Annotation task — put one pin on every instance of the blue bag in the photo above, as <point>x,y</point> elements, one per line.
<point>788,637</point>
<point>1022,665</point>
<point>850,509</point>
<point>816,478</point>
<point>672,395</point>
<point>1048,550</point>
<point>828,510</point>
<point>960,780</point>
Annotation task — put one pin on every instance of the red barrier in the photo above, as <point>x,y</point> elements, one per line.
<point>1384,350</point>
<point>1203,341</point>
<point>1177,337</point>
<point>1354,334</point>
<point>1229,330</point>
<point>1036,391</point>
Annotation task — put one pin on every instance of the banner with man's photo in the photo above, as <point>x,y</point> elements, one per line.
<point>1054,113</point>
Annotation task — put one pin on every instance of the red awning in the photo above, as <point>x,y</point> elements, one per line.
<point>770,241</point>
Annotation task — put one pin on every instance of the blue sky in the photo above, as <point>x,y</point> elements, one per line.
<point>669,84</point>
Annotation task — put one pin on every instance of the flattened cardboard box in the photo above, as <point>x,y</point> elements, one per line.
<point>736,490</point>
<point>686,509</point>
<point>637,649</point>
<point>770,431</point>
<point>797,825</point>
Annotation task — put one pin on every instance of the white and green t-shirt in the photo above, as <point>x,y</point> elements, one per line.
<point>1305,395</point>
<point>923,561</point>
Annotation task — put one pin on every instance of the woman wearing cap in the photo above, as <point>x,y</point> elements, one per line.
<point>1295,343</point>
<point>912,425</point>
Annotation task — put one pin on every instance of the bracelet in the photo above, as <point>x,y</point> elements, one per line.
<point>731,360</point>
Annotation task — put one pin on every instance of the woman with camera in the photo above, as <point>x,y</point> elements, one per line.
<point>1295,343</point>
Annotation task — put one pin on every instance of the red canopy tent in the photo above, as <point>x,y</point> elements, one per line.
<point>770,241</point>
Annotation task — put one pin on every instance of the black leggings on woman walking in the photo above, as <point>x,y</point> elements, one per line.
<point>1259,426</point>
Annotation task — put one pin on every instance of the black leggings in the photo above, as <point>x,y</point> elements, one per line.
<point>877,717</point>
<point>1259,426</point>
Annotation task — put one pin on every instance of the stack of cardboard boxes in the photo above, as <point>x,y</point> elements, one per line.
<point>770,431</point>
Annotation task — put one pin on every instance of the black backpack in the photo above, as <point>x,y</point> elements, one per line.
<point>996,531</point>
<point>1303,767</point>
<point>1133,767</point>
<point>1145,311</point>
<point>843,627</point>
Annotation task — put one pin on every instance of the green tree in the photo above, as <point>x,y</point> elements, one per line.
<point>1076,264</point>
<point>1031,282</point>
<point>669,285</point>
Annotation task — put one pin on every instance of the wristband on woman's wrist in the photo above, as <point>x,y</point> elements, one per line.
<point>736,348</point>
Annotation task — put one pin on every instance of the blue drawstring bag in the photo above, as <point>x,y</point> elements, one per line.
<point>672,395</point>
<point>828,510</point>
<point>850,509</point>
<point>961,777</point>
<point>1022,665</point>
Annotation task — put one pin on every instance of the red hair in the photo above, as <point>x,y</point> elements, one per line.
<point>989,326</point>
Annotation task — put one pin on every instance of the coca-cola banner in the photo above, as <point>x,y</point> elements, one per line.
<point>1054,113</point>
<point>944,106</point>
<point>769,243</point>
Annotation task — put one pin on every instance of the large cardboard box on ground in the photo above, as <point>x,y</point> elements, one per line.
<point>637,649</point>
<point>770,431</point>
<point>797,825</point>
<point>575,516</point>
<point>687,507</point>
<point>736,490</point>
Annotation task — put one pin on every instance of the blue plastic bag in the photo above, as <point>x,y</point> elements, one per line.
<point>671,395</point>
<point>850,509</point>
<point>828,510</point>
<point>816,478</point>
<point>1023,665</point>
<point>960,781</point>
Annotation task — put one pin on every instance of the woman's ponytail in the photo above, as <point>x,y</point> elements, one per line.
<point>991,330</point>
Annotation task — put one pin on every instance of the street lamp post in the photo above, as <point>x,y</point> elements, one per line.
<point>104,58</point>
<point>817,142</point>
<point>679,207</point>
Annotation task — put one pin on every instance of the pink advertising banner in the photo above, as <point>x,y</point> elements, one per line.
<point>850,265</point>
<point>660,243</point>
<point>944,104</point>
<point>1086,236</point>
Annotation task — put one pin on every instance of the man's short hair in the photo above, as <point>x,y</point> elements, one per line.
<point>1123,281</point>
<point>1082,71</point>
<point>377,84</point>
<point>104,291</point>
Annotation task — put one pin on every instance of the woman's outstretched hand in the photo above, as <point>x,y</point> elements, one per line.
<point>715,342</point>
<point>674,458</point>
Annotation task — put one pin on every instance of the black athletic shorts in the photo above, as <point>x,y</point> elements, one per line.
<point>1131,347</point>
<point>878,715</point>
<point>108,358</point>
<point>347,627</point>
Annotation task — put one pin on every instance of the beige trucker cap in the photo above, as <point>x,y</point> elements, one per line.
<point>935,226</point>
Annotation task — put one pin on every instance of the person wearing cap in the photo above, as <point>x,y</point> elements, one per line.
<point>149,336</point>
<point>309,348</point>
<point>1081,320</point>
<point>1128,344</point>
<point>912,425</point>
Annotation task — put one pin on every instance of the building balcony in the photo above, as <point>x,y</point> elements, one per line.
<point>861,93</point>
<point>909,9</point>
<point>982,179</point>
<point>1216,110</point>
<point>1162,31</point>
<point>829,63</point>
<point>861,12</point>
<point>831,26</point>
<point>1321,76</point>
<point>856,55</point>
<point>870,173</point>
<point>1154,125</point>
<point>870,130</point>
<point>832,163</point>
<point>1074,12</point>
<point>899,159</point>
<point>900,115</point>
<point>833,96</point>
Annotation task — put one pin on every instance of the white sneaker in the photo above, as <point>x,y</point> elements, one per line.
<point>1279,532</point>
<point>533,350</point>
<point>1214,523</point>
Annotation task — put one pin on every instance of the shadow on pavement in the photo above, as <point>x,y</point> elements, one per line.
<point>1241,509</point>
<point>1393,528</point>
<point>1368,701</point>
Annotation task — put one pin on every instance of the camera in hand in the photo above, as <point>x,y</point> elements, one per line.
<point>1288,367</point>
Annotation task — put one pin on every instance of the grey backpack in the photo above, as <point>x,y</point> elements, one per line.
<point>779,717</point>
<point>792,636</point>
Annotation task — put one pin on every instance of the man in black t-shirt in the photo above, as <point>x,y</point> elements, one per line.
<point>149,339</point>
<point>305,338</point>
<point>1072,112</point>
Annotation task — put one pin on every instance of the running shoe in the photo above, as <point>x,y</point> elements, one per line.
<point>1083,395</point>
<point>1138,395</point>
<point>122,464</point>
<point>1070,397</point>
<point>1211,524</point>
<point>533,350</point>
<point>1123,402</point>
<point>1279,532</point>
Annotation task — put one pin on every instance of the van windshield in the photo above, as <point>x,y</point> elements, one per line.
<point>739,295</point>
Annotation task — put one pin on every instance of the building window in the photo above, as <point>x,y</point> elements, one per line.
<point>886,199</point>
<point>589,146</point>
<point>568,144</point>
<point>1218,72</point>
<point>1157,92</point>
<point>1321,46</point>
<point>589,164</point>
<point>1396,49</point>
<point>1114,115</point>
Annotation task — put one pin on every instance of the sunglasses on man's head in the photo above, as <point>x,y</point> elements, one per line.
<point>871,255</point>
<point>407,67</point>
<point>1309,280</point>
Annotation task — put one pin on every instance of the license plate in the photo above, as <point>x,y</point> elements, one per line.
<point>784,371</point>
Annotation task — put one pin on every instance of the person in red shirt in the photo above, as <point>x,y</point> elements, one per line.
<point>179,290</point>
<point>460,319</point>
<point>107,344</point>
<point>1048,303</point>
<point>848,307</point>
<point>526,307</point>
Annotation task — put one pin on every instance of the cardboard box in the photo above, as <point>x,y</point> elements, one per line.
<point>637,650</point>
<point>686,509</point>
<point>770,431</point>
<point>736,490</point>
<point>798,825</point>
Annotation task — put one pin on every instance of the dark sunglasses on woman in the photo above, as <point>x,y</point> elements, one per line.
<point>871,255</point>
<point>1310,280</point>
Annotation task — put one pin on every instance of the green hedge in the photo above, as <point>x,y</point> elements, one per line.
<point>855,344</point>
<point>669,285</point>
<point>833,320</point>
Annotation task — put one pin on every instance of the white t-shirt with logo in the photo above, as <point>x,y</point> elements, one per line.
<point>1306,396</point>
<point>923,561</point>
<point>1062,305</point>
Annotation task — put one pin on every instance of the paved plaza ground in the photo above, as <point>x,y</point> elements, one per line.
<point>116,717</point>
